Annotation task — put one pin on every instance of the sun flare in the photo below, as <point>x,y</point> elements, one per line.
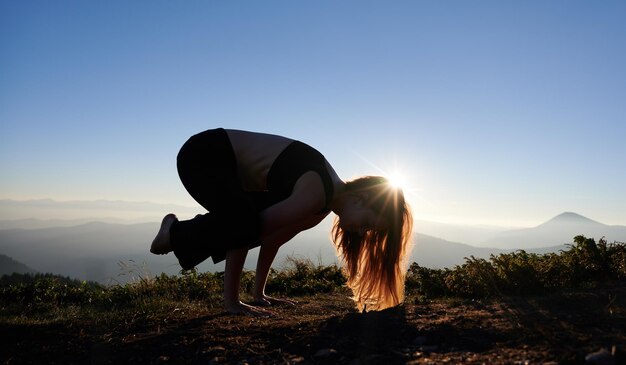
<point>397,180</point>
<point>402,178</point>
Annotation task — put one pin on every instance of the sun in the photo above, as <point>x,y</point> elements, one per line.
<point>397,179</point>
<point>396,175</point>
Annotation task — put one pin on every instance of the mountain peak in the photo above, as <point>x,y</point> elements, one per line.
<point>570,218</point>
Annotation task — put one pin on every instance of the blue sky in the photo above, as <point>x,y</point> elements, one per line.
<point>497,112</point>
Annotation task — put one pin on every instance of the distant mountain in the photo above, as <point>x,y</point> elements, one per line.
<point>569,218</point>
<point>32,223</point>
<point>468,234</point>
<point>558,230</point>
<point>437,253</point>
<point>110,253</point>
<point>93,251</point>
<point>90,251</point>
<point>113,252</point>
<point>9,266</point>
<point>48,209</point>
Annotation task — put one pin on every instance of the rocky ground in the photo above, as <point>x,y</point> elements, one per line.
<point>325,329</point>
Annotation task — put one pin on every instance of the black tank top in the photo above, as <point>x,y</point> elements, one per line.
<point>293,162</point>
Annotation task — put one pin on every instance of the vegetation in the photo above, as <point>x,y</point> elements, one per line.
<point>47,297</point>
<point>584,263</point>
<point>176,319</point>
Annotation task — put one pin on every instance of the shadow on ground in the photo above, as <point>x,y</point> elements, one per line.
<point>325,329</point>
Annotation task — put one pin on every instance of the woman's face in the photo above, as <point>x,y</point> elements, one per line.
<point>359,218</point>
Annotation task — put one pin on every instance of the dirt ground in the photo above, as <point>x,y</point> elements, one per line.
<point>325,329</point>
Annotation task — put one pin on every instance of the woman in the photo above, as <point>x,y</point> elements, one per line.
<point>262,190</point>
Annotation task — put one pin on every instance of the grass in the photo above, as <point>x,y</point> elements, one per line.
<point>511,308</point>
<point>50,298</point>
<point>46,298</point>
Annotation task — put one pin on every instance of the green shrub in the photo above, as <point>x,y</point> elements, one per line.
<point>302,277</point>
<point>521,273</point>
<point>427,282</point>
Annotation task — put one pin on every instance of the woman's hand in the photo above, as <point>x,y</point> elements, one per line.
<point>241,308</point>
<point>266,301</point>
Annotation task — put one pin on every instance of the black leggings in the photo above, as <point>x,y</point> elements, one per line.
<point>208,169</point>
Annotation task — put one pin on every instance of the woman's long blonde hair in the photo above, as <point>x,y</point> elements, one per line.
<point>375,263</point>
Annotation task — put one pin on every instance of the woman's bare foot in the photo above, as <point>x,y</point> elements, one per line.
<point>161,243</point>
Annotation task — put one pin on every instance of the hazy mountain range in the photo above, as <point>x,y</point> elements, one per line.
<point>557,230</point>
<point>52,212</point>
<point>10,266</point>
<point>112,252</point>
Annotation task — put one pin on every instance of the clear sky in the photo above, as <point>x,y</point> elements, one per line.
<point>497,112</point>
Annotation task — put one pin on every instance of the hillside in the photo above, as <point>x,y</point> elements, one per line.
<point>9,266</point>
<point>434,252</point>
<point>90,251</point>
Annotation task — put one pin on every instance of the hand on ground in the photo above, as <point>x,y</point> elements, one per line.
<point>266,301</point>
<point>241,308</point>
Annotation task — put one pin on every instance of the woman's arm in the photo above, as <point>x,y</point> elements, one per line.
<point>232,277</point>
<point>280,223</point>
<point>270,247</point>
<point>267,253</point>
